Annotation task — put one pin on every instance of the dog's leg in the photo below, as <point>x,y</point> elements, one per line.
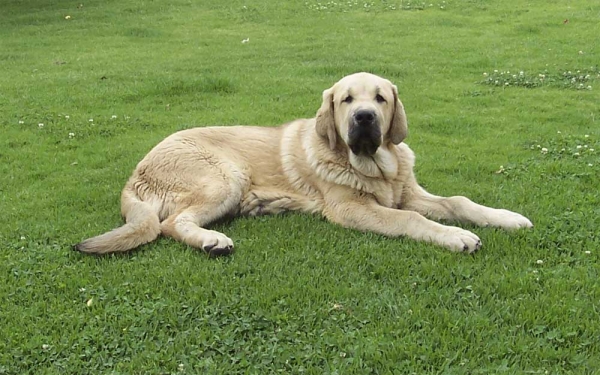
<point>186,226</point>
<point>264,201</point>
<point>203,205</point>
<point>365,214</point>
<point>462,209</point>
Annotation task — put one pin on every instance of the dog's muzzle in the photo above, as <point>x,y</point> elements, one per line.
<point>364,134</point>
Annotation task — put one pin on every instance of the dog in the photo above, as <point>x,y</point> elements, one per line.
<point>349,164</point>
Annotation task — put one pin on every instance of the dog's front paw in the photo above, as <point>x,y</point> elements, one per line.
<point>458,239</point>
<point>216,243</point>
<point>508,220</point>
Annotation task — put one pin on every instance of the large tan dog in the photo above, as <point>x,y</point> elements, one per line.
<point>348,164</point>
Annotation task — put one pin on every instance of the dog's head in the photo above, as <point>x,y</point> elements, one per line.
<point>364,111</point>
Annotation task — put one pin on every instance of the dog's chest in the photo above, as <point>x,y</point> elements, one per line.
<point>383,192</point>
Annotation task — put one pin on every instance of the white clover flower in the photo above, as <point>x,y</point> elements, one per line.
<point>586,135</point>
<point>247,40</point>
<point>40,125</point>
<point>544,150</point>
<point>576,154</point>
<point>485,74</point>
<point>588,252</point>
<point>496,82</point>
<point>578,147</point>
<point>539,261</point>
<point>558,132</point>
<point>581,52</point>
<point>67,117</point>
<point>589,87</point>
<point>506,83</point>
<point>45,347</point>
<point>91,120</point>
<point>521,73</point>
<point>21,122</point>
<point>23,238</point>
<point>591,150</point>
<point>495,70</point>
<point>113,117</point>
<point>71,135</point>
<point>538,146</point>
<point>590,165</point>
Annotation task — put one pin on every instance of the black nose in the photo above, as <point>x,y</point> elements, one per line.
<point>364,117</point>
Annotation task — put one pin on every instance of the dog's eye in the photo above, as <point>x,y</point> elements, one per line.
<point>380,99</point>
<point>348,99</point>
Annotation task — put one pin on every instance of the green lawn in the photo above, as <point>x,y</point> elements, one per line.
<point>87,89</point>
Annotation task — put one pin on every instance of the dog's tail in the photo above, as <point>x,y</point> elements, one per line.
<point>142,225</point>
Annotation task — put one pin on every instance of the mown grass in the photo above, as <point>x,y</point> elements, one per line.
<point>300,295</point>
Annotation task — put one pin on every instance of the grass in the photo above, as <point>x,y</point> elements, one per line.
<point>300,295</point>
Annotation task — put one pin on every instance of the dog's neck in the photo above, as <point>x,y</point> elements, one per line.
<point>382,164</point>
<point>341,167</point>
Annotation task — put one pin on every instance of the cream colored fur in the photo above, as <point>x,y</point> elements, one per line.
<point>197,176</point>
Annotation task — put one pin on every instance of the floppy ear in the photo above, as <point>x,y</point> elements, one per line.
<point>398,127</point>
<point>325,122</point>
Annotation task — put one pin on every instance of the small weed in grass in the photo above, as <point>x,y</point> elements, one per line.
<point>372,6</point>
<point>563,156</point>
<point>577,148</point>
<point>572,79</point>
